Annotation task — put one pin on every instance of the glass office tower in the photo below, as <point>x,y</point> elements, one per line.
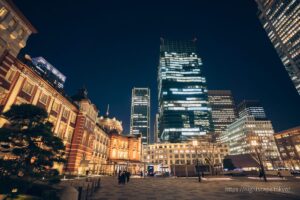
<point>280,19</point>
<point>223,109</point>
<point>140,113</point>
<point>245,132</point>
<point>184,112</point>
<point>252,131</point>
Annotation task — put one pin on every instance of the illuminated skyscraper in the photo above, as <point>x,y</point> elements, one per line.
<point>223,109</point>
<point>140,113</point>
<point>252,130</point>
<point>246,133</point>
<point>280,19</point>
<point>184,112</point>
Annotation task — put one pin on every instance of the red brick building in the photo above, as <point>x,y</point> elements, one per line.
<point>14,28</point>
<point>124,151</point>
<point>20,83</point>
<point>84,135</point>
<point>74,119</point>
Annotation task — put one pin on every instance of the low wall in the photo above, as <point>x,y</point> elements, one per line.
<point>282,172</point>
<point>85,186</point>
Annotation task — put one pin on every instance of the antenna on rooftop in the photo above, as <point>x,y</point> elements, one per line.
<point>107,111</point>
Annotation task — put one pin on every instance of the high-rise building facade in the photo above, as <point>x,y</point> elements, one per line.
<point>251,108</point>
<point>252,132</point>
<point>140,113</point>
<point>280,19</point>
<point>223,109</point>
<point>14,28</point>
<point>184,112</point>
<point>246,134</point>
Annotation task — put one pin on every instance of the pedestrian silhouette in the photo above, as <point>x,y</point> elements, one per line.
<point>141,174</point>
<point>279,175</point>
<point>260,174</point>
<point>128,176</point>
<point>119,177</point>
<point>123,178</point>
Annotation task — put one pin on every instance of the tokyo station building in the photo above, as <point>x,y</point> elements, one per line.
<point>15,28</point>
<point>20,84</point>
<point>35,81</point>
<point>124,151</point>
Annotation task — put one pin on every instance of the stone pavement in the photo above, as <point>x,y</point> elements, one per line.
<point>188,188</point>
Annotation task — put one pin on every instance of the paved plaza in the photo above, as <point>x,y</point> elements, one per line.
<point>189,188</point>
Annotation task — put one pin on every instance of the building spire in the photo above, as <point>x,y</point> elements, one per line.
<point>107,111</point>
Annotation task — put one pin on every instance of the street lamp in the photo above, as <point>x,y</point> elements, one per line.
<point>261,165</point>
<point>195,144</point>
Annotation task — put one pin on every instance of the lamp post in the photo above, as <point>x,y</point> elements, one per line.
<point>195,143</point>
<point>261,165</point>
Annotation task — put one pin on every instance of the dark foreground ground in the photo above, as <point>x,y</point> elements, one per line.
<point>190,188</point>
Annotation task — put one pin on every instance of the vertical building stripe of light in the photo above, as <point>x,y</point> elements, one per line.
<point>184,112</point>
<point>223,109</point>
<point>140,113</point>
<point>156,129</point>
<point>281,21</point>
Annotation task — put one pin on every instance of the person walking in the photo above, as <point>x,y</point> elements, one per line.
<point>128,176</point>
<point>119,177</point>
<point>260,174</point>
<point>123,178</point>
<point>141,174</point>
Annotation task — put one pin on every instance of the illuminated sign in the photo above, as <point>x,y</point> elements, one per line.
<point>52,74</point>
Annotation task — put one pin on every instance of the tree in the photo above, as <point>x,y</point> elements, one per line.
<point>210,157</point>
<point>29,148</point>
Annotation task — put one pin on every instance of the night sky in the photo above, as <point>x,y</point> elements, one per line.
<point>111,46</point>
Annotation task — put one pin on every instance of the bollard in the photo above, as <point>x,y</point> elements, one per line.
<point>68,193</point>
<point>99,183</point>
<point>87,192</point>
<point>79,193</point>
<point>94,185</point>
<point>91,188</point>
